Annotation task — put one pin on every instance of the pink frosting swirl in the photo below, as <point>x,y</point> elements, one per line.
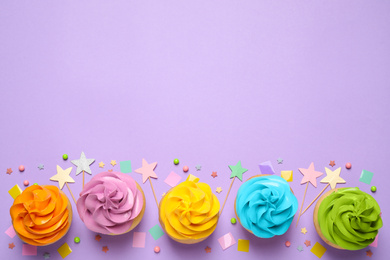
<point>109,203</point>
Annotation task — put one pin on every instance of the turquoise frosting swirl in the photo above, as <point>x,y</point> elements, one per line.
<point>266,206</point>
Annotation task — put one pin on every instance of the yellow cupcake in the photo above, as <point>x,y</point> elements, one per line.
<point>189,212</point>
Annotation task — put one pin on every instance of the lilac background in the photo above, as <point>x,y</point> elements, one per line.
<point>209,82</point>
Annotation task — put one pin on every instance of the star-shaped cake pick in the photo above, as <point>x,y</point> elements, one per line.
<point>332,179</point>
<point>309,175</point>
<point>237,171</point>
<point>147,171</point>
<point>63,178</point>
<point>83,164</point>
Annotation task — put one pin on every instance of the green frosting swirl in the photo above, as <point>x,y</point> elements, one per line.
<point>349,218</point>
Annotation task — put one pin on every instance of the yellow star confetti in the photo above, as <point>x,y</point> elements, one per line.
<point>303,230</point>
<point>219,189</point>
<point>101,164</point>
<point>113,163</point>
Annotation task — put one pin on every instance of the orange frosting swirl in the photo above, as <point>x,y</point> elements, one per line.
<point>41,215</point>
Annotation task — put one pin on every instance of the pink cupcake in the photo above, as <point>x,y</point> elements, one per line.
<point>111,203</point>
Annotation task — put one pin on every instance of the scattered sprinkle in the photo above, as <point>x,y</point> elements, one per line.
<point>300,248</point>
<point>186,168</point>
<point>348,165</point>
<point>105,249</point>
<point>233,221</point>
<point>318,249</point>
<point>98,237</point>
<point>176,161</point>
<point>218,190</point>
<point>332,163</point>
<point>243,245</point>
<point>288,243</point>
<point>29,249</point>
<point>214,174</point>
<point>41,167</point>
<point>369,253</point>
<point>173,179</point>
<point>157,249</point>
<point>287,175</point>
<point>373,188</point>
<point>15,191</point>
<point>208,249</point>
<point>198,167</point>
<point>21,168</point>
<point>307,243</point>
<point>366,177</point>
<point>303,230</point>
<point>26,183</point>
<point>113,163</point>
<point>46,255</point>
<point>156,232</point>
<point>101,164</point>
<point>65,156</point>
<point>11,232</point>
<point>11,245</point>
<point>266,168</point>
<point>125,166</point>
<point>9,171</point>
<point>77,240</point>
<point>226,241</point>
<point>139,239</point>
<point>64,250</point>
<point>280,160</point>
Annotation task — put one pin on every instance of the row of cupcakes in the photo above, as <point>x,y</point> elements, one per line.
<point>113,203</point>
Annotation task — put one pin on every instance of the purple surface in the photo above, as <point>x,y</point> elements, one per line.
<point>208,82</point>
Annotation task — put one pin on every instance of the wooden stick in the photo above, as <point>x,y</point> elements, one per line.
<point>227,195</point>
<point>153,191</point>
<point>311,203</point>
<point>303,201</point>
<point>83,179</point>
<point>71,192</point>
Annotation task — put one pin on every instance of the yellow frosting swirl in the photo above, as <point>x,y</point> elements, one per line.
<point>41,215</point>
<point>189,212</point>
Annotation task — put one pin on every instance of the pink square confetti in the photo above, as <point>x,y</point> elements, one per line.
<point>172,179</point>
<point>226,241</point>
<point>29,250</point>
<point>139,239</point>
<point>375,243</point>
<point>10,232</point>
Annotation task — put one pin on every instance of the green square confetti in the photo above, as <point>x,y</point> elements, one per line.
<point>366,177</point>
<point>125,166</point>
<point>318,249</point>
<point>156,232</point>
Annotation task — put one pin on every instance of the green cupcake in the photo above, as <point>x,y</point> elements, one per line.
<point>347,218</point>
